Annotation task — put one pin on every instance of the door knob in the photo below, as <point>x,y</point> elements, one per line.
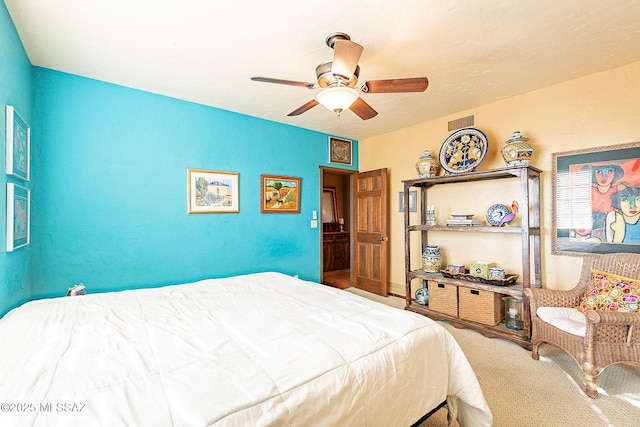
<point>383,239</point>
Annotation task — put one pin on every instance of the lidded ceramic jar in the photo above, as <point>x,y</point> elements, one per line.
<point>427,166</point>
<point>517,151</point>
<point>431,259</point>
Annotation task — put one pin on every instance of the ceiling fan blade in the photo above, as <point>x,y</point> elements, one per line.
<point>284,82</point>
<point>345,58</point>
<point>309,105</point>
<point>413,84</point>
<point>362,109</point>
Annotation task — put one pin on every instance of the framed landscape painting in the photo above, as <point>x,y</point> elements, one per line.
<point>18,140</point>
<point>18,216</point>
<point>212,191</point>
<point>596,200</point>
<point>280,194</point>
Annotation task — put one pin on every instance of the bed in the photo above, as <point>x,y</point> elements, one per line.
<point>262,349</point>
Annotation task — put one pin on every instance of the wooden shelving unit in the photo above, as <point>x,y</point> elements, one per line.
<point>529,230</point>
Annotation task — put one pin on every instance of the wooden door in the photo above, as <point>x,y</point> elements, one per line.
<point>370,232</point>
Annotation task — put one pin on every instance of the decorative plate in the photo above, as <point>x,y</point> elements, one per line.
<point>463,151</point>
<point>496,212</point>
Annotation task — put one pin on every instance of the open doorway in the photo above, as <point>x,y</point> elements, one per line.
<point>337,218</point>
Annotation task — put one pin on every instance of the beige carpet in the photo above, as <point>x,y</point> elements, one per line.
<point>524,392</point>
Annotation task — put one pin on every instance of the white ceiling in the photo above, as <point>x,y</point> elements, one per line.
<point>205,51</point>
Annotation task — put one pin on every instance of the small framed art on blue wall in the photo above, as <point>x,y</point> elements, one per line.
<point>340,151</point>
<point>18,142</point>
<point>18,216</point>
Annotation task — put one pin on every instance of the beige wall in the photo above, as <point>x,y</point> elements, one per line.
<point>594,111</point>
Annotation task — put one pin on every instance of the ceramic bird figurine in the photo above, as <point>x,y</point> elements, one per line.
<point>510,216</point>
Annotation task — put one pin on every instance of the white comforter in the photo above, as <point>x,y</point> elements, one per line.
<point>256,350</point>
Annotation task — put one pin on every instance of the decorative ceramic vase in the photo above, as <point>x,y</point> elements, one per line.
<point>427,166</point>
<point>518,151</point>
<point>422,296</point>
<point>431,259</point>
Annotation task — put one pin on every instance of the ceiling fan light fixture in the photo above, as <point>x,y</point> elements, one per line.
<point>337,99</point>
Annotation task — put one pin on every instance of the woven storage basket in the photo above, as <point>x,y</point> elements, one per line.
<point>443,298</point>
<point>480,306</point>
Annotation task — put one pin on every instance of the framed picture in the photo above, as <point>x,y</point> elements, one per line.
<point>280,194</point>
<point>596,200</point>
<point>18,141</point>
<point>413,199</point>
<point>212,191</point>
<point>329,205</point>
<point>18,216</point>
<point>340,151</point>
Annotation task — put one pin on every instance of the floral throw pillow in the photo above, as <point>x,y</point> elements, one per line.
<point>607,291</point>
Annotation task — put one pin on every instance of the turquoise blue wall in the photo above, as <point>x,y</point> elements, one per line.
<point>108,179</point>
<point>109,196</point>
<point>15,90</point>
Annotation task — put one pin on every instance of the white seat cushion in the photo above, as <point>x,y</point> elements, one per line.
<point>564,318</point>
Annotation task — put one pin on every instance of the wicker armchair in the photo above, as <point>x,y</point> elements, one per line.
<point>610,337</point>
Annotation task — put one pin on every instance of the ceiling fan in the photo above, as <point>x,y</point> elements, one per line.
<point>339,77</point>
